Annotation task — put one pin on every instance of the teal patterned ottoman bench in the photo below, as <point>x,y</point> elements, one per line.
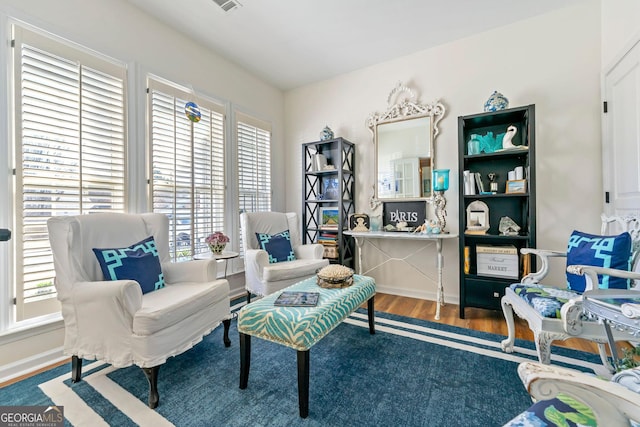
<point>301,327</point>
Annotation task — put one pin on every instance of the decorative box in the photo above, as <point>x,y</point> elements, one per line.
<point>497,261</point>
<point>330,251</point>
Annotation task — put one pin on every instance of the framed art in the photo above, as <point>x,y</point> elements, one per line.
<point>330,188</point>
<point>412,213</point>
<point>516,186</point>
<point>329,218</point>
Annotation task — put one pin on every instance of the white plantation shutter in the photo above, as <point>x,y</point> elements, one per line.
<point>187,164</point>
<point>254,164</point>
<point>70,151</point>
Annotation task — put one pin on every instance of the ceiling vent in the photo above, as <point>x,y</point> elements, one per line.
<point>228,5</point>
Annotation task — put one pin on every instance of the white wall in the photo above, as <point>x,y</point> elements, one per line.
<point>552,61</point>
<point>619,28</point>
<point>117,29</point>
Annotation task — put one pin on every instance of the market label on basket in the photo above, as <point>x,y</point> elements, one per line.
<point>192,111</point>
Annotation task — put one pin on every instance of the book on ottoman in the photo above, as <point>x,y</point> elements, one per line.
<point>297,299</point>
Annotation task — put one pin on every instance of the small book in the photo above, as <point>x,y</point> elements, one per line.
<point>297,299</point>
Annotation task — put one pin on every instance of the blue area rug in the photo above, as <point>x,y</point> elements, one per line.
<point>410,373</point>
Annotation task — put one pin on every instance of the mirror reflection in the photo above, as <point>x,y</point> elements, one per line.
<point>404,159</point>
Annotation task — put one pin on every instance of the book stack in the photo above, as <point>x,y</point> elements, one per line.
<point>473,184</point>
<point>469,183</point>
<point>330,243</point>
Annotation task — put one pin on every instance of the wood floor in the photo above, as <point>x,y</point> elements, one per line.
<point>475,318</point>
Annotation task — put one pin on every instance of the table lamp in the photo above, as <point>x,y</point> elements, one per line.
<point>440,185</point>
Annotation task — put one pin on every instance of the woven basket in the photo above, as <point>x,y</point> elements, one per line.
<point>217,248</point>
<point>326,277</point>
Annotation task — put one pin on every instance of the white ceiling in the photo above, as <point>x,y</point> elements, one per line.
<point>292,43</point>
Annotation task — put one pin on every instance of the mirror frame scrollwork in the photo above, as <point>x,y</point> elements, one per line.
<point>402,104</point>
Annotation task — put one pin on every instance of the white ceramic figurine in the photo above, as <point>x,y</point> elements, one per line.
<point>506,140</point>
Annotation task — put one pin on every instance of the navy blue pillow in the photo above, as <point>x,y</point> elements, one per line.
<point>139,262</point>
<point>278,246</point>
<point>599,251</point>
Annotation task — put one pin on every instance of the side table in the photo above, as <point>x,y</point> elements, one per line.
<point>617,308</point>
<point>224,256</point>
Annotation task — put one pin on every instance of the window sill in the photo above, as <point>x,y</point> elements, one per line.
<point>32,328</point>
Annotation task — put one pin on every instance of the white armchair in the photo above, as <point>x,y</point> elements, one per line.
<point>112,320</point>
<point>566,394</point>
<point>555,313</point>
<point>261,276</point>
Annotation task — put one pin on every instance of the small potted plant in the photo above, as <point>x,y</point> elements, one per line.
<point>217,242</point>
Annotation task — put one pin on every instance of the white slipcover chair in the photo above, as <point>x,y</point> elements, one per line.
<point>263,278</point>
<point>114,321</point>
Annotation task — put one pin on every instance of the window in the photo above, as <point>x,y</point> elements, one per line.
<point>187,164</point>
<point>254,164</point>
<point>70,130</point>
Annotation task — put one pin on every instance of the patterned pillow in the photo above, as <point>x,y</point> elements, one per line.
<point>278,246</point>
<point>600,251</point>
<point>562,410</point>
<point>139,262</point>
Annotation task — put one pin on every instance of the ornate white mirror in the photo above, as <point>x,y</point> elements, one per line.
<point>404,138</point>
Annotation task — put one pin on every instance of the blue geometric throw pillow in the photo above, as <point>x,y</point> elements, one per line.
<point>278,246</point>
<point>599,251</point>
<point>139,262</point>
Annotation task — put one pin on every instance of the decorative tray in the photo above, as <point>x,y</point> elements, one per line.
<point>335,276</point>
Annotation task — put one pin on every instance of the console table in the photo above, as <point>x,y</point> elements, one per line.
<point>619,308</point>
<point>361,236</point>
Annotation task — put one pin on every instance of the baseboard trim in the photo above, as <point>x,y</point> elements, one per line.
<point>413,293</point>
<point>30,365</point>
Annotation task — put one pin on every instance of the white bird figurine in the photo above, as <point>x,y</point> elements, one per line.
<point>506,140</point>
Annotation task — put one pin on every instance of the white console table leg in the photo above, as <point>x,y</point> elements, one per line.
<point>359,243</point>
<point>440,290</point>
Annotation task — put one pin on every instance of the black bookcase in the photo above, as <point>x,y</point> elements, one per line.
<point>327,189</point>
<point>478,290</point>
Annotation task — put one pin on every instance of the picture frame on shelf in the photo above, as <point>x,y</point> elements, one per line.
<point>330,188</point>
<point>329,218</point>
<point>517,186</point>
<point>477,218</point>
<point>359,222</point>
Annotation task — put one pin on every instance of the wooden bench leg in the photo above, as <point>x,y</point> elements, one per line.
<point>303,383</point>
<point>370,312</point>
<point>245,359</point>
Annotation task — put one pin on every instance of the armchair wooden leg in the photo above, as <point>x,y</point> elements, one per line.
<point>227,324</point>
<point>152,377</point>
<point>508,343</point>
<point>543,342</point>
<point>248,297</point>
<point>76,369</point>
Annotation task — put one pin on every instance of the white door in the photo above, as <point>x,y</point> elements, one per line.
<point>621,135</point>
